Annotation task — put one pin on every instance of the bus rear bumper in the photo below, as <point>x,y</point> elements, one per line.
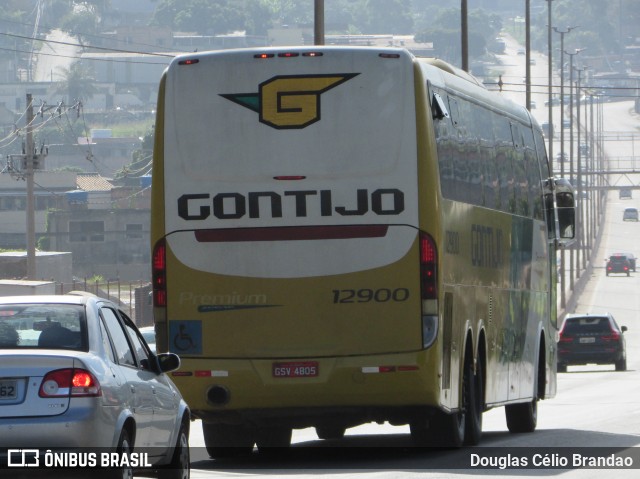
<point>301,417</point>
<point>392,388</point>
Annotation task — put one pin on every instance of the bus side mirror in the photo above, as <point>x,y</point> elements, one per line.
<point>567,223</point>
<point>438,108</point>
<point>560,203</point>
<point>566,207</point>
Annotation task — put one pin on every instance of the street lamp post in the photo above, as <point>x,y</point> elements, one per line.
<point>571,171</point>
<point>562,155</point>
<point>550,79</point>
<point>580,223</point>
<point>562,33</point>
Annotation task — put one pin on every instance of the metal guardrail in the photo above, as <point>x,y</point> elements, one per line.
<point>133,297</point>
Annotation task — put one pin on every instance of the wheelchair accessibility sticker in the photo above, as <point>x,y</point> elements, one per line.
<point>185,337</point>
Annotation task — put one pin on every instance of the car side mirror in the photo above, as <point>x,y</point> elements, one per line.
<point>623,328</point>
<point>168,362</point>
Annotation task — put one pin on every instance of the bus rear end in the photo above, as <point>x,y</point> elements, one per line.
<point>290,272</point>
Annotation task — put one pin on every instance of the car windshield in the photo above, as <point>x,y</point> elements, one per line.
<point>618,259</point>
<point>42,326</point>
<point>586,325</point>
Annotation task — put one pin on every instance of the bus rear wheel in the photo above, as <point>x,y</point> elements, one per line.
<point>473,403</point>
<point>522,417</point>
<point>450,428</point>
<point>330,432</point>
<point>273,440</point>
<point>227,440</point>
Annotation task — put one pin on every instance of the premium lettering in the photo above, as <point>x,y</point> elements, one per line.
<point>269,204</point>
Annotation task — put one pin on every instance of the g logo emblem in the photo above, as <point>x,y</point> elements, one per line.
<point>292,101</point>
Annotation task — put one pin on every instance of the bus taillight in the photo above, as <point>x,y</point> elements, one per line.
<point>428,267</point>
<point>159,274</point>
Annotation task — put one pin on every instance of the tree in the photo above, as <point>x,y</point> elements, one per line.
<point>207,17</point>
<point>78,83</point>
<point>387,16</point>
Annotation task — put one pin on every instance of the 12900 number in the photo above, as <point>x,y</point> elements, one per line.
<point>366,295</point>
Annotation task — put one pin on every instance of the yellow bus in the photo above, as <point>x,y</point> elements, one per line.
<point>344,235</point>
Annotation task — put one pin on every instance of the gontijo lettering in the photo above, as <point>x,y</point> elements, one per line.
<point>199,206</point>
<point>486,246</point>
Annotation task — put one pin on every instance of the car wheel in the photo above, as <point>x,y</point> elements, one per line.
<point>562,368</point>
<point>180,465</point>
<point>621,365</point>
<point>125,446</point>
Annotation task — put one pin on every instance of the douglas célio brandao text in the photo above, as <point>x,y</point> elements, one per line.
<point>550,460</point>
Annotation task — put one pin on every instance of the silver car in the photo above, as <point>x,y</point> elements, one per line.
<point>75,372</point>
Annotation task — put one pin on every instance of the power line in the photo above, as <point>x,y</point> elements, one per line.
<point>112,50</point>
<point>84,34</point>
<point>87,53</point>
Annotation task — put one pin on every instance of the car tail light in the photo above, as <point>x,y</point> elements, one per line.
<point>159,274</point>
<point>428,267</point>
<point>69,383</point>
<point>614,336</point>
<point>565,339</point>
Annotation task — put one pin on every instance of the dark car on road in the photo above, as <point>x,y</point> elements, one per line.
<point>630,214</point>
<point>591,339</point>
<point>619,263</point>
<point>625,194</point>
<point>630,257</point>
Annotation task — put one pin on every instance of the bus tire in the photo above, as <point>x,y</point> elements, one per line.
<point>273,440</point>
<point>330,432</point>
<point>450,428</point>
<point>227,440</point>
<point>473,403</point>
<point>522,417</point>
<point>423,433</point>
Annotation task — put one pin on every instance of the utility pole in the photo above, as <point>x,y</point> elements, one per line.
<point>527,42</point>
<point>464,28</point>
<point>318,23</point>
<point>31,221</point>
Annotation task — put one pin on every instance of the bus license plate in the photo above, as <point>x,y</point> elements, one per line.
<point>300,369</point>
<point>8,389</point>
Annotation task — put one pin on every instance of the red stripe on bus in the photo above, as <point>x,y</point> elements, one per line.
<point>285,233</point>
